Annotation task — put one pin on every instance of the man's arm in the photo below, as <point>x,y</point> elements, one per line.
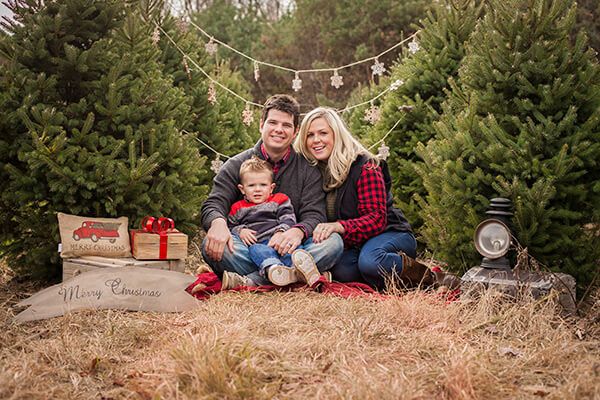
<point>223,193</point>
<point>214,210</point>
<point>312,209</point>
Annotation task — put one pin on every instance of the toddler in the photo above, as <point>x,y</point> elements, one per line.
<point>258,217</point>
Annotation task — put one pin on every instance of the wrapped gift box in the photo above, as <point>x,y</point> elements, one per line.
<point>75,266</point>
<point>154,246</point>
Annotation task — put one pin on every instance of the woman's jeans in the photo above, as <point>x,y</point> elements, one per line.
<point>377,258</point>
<point>325,255</point>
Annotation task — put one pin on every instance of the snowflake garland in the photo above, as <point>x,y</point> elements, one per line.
<point>256,71</point>
<point>211,47</point>
<point>212,94</point>
<point>383,152</point>
<point>247,115</point>
<point>372,114</point>
<point>378,68</point>
<point>297,83</point>
<point>216,164</point>
<point>337,80</point>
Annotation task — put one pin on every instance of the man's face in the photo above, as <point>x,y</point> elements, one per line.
<point>277,132</point>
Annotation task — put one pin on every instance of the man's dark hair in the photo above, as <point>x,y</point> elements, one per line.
<point>284,103</point>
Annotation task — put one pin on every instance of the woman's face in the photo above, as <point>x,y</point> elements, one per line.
<point>319,139</point>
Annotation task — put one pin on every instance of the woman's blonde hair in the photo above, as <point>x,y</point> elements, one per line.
<point>346,148</point>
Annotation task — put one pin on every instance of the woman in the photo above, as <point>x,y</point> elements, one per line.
<point>378,240</point>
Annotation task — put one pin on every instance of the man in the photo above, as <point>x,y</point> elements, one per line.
<point>300,181</point>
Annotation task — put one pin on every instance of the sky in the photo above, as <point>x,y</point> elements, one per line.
<point>4,10</point>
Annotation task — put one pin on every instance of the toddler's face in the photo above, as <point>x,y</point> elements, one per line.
<point>257,186</point>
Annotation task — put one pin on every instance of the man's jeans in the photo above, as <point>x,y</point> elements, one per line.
<point>377,258</point>
<point>325,254</point>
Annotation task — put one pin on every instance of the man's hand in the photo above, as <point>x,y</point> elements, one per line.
<point>217,237</point>
<point>248,236</point>
<point>288,241</point>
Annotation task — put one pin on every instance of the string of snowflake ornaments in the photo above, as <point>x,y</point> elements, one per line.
<point>372,113</point>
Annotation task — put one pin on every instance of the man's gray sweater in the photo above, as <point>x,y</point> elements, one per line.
<point>296,178</point>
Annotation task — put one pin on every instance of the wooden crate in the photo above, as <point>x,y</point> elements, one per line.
<point>146,246</point>
<point>75,266</point>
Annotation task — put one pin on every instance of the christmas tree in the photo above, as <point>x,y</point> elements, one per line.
<point>522,123</point>
<point>408,112</point>
<point>91,127</point>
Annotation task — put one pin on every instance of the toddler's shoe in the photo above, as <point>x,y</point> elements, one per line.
<point>306,267</point>
<point>232,280</point>
<point>281,275</point>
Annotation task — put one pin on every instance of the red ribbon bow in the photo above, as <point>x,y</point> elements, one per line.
<point>157,225</point>
<point>161,226</point>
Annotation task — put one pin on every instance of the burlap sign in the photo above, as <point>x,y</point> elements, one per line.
<point>83,236</point>
<point>127,288</point>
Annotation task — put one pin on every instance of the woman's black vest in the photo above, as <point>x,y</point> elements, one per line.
<point>346,202</point>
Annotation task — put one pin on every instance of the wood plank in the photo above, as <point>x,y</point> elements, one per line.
<point>75,266</point>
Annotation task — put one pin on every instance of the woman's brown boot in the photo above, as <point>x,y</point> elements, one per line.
<point>415,273</point>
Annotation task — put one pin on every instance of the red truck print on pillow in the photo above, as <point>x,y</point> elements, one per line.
<point>97,230</point>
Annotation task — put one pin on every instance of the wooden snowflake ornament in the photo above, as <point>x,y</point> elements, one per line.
<point>297,83</point>
<point>337,81</point>
<point>256,71</point>
<point>396,84</point>
<point>182,25</point>
<point>186,67</point>
<point>378,68</point>
<point>212,94</point>
<point>211,47</point>
<point>383,152</point>
<point>413,47</point>
<point>247,115</point>
<point>372,114</point>
<point>216,164</point>
<point>156,36</point>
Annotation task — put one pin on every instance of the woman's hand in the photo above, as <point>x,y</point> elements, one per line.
<point>324,230</point>
<point>248,236</point>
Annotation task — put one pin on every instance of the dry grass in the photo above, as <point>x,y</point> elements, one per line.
<point>303,345</point>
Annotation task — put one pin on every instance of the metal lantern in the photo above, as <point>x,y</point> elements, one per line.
<point>493,236</point>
